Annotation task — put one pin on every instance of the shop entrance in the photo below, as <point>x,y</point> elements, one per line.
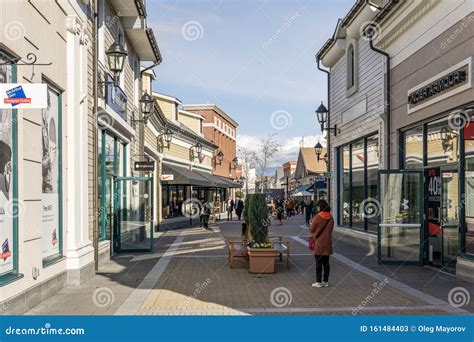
<point>400,233</point>
<point>442,195</point>
<point>133,224</point>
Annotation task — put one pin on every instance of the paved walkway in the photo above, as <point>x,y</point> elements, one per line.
<point>188,274</point>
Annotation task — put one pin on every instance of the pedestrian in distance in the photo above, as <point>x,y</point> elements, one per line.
<point>321,233</point>
<point>308,209</point>
<point>230,208</point>
<point>239,207</point>
<point>206,212</point>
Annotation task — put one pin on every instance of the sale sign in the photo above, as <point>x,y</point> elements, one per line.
<point>23,95</point>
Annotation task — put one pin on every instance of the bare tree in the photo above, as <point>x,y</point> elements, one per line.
<point>245,156</point>
<point>264,156</point>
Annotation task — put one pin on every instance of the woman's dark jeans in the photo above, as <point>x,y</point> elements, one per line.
<point>322,261</point>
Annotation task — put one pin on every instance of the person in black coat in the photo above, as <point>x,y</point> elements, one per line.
<point>239,207</point>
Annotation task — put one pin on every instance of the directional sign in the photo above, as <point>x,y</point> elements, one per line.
<point>144,166</point>
<point>328,174</point>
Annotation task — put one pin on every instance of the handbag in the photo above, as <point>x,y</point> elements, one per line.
<point>312,241</point>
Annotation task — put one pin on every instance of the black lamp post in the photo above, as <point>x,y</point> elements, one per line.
<point>116,55</point>
<point>322,115</point>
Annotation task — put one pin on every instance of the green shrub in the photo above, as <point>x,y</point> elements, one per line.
<point>246,208</point>
<point>258,218</point>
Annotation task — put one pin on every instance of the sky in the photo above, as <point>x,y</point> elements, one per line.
<point>254,59</point>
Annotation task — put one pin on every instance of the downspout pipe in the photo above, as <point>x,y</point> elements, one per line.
<point>328,148</point>
<point>387,100</point>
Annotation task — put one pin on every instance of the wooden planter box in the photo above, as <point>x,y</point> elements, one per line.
<point>262,260</point>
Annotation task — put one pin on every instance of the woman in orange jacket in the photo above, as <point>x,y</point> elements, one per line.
<point>321,230</point>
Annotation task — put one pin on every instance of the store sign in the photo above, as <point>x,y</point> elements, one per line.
<point>169,177</point>
<point>23,95</point>
<point>319,179</point>
<point>50,172</point>
<point>144,166</point>
<point>328,174</point>
<point>438,87</point>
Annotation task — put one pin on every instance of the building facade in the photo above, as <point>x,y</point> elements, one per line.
<point>357,114</point>
<point>309,173</point>
<point>44,161</point>
<point>432,146</point>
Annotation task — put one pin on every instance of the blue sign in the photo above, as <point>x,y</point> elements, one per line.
<point>16,93</point>
<point>116,99</point>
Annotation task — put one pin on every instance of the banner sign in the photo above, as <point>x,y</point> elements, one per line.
<point>50,184</point>
<point>23,95</point>
<point>144,166</point>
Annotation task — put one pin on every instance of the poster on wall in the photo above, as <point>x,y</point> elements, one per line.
<point>50,166</point>
<point>6,179</point>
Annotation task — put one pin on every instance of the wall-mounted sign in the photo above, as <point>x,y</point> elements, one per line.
<point>144,166</point>
<point>437,87</point>
<point>168,177</point>
<point>328,174</point>
<point>23,95</point>
<point>319,178</point>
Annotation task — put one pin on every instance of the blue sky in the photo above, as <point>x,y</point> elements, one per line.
<point>255,59</point>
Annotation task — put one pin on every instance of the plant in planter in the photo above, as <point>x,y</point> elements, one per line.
<point>246,223</point>
<point>260,250</point>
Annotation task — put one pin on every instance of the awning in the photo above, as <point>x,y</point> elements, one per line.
<point>230,183</point>
<point>183,176</point>
<point>213,180</point>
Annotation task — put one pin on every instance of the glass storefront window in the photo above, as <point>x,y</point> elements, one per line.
<point>372,172</point>
<point>442,144</point>
<point>360,164</point>
<point>346,185</point>
<point>414,148</point>
<point>469,189</point>
<point>358,183</point>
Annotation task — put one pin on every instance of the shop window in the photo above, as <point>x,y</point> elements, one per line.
<point>360,163</point>
<point>111,163</point>
<point>442,144</point>
<point>346,181</point>
<point>8,180</point>
<point>469,189</point>
<point>52,177</point>
<point>413,147</point>
<point>357,186</point>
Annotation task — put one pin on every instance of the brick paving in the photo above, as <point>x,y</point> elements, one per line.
<point>195,279</point>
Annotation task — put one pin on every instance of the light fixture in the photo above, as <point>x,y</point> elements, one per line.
<point>197,149</point>
<point>165,137</point>
<point>219,157</point>
<point>146,107</point>
<point>322,116</point>
<point>318,149</point>
<point>446,137</point>
<point>116,55</point>
<point>235,163</point>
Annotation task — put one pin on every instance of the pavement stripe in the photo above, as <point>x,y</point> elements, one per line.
<point>131,305</point>
<point>394,283</point>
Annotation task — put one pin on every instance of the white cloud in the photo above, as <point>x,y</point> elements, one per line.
<point>289,147</point>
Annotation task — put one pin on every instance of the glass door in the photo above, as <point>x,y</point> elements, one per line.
<point>449,218</point>
<point>133,228</point>
<point>400,233</point>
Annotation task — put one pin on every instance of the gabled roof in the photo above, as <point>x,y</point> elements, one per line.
<point>308,163</point>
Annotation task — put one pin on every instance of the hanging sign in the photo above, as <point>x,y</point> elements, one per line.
<point>23,95</point>
<point>469,131</point>
<point>144,166</point>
